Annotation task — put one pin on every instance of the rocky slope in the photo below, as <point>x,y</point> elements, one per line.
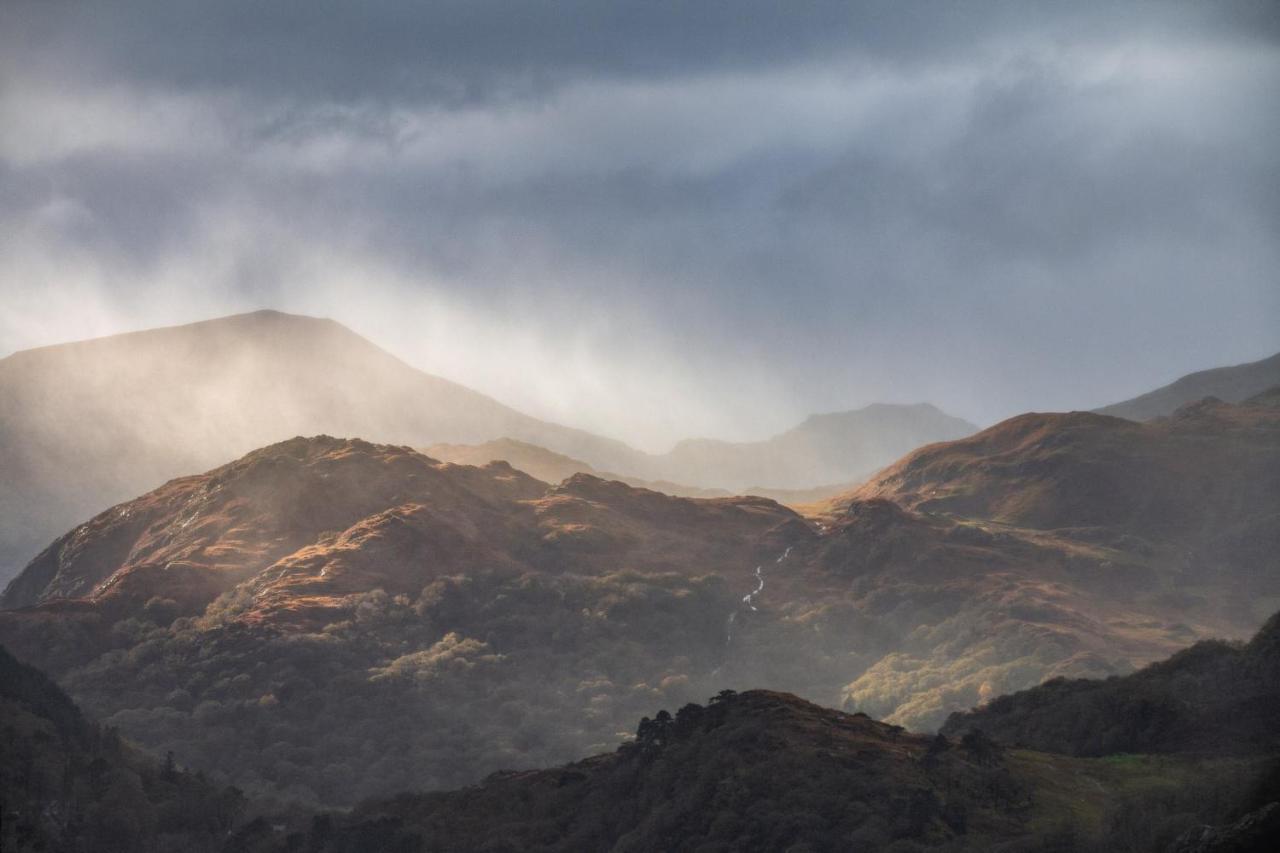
<point>1233,384</point>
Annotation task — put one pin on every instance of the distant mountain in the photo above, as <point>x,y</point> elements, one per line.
<point>1232,384</point>
<point>834,448</point>
<point>88,424</point>
<point>553,468</point>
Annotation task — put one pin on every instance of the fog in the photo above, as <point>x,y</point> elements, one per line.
<point>657,226</point>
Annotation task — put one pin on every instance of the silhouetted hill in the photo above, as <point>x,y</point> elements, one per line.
<point>1232,384</point>
<point>67,784</point>
<point>1213,698</point>
<point>764,771</point>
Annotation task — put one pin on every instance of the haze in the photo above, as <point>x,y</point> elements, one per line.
<point>653,224</point>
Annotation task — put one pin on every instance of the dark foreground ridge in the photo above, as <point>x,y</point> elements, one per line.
<point>67,784</point>
<point>758,770</point>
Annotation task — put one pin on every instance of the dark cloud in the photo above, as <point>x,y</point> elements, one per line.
<point>759,209</point>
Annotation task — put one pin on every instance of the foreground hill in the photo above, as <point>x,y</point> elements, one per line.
<point>67,784</point>
<point>88,424</point>
<point>1233,384</point>
<point>767,771</point>
<point>758,770</point>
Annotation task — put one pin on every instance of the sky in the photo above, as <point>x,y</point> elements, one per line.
<point>663,219</point>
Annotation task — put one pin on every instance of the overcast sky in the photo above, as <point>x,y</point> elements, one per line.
<point>663,219</point>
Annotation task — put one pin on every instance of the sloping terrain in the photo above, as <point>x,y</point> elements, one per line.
<point>766,771</point>
<point>1233,384</point>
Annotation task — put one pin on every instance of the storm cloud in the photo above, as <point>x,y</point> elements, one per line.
<point>663,219</point>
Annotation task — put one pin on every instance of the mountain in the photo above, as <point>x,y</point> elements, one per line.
<point>430,622</point>
<point>1206,477</point>
<point>1232,384</point>
<point>310,520</point>
<point>68,784</point>
<point>840,447</point>
<point>552,468</point>
<point>88,424</point>
<point>1212,698</point>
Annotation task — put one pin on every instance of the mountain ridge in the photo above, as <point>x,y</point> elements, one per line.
<point>1232,384</point>
<point>91,423</point>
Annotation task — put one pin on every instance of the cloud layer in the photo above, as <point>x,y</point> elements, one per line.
<point>663,219</point>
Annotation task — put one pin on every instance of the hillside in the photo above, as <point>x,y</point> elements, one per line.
<point>1213,698</point>
<point>68,784</point>
<point>1208,476</point>
<point>430,622</point>
<point>758,770</point>
<point>1233,384</point>
<point>763,770</point>
<point>88,424</point>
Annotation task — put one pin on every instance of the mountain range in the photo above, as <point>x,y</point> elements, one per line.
<point>368,597</point>
<point>1232,384</point>
<point>89,424</point>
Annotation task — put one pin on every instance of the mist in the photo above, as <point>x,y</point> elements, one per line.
<point>656,231</point>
